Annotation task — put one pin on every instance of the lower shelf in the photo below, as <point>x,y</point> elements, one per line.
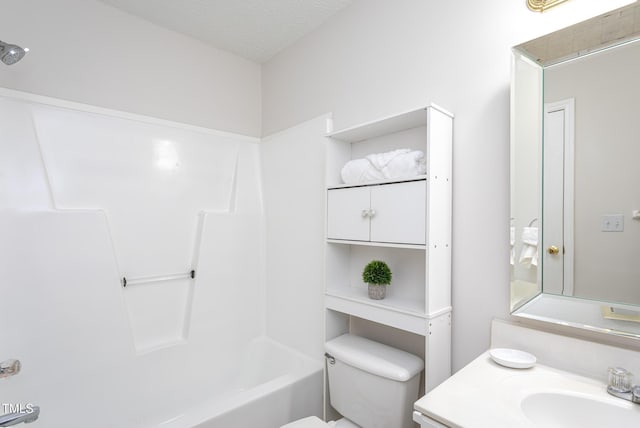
<point>378,311</point>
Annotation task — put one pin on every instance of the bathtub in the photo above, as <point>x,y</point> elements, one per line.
<point>269,386</point>
<point>262,384</point>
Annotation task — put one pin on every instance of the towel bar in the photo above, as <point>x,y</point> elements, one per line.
<point>191,274</point>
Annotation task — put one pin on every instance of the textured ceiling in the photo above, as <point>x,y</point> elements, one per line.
<point>254,29</point>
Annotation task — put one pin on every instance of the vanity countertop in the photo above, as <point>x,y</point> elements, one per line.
<point>485,394</point>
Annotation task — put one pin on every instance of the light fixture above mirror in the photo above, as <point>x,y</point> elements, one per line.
<point>542,5</point>
<point>609,29</point>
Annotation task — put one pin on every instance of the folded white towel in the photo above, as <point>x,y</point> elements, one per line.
<point>529,253</point>
<point>529,256</point>
<point>530,235</point>
<point>399,163</point>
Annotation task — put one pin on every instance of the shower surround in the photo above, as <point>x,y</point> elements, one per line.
<point>93,199</point>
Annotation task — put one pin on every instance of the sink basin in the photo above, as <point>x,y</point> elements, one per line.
<point>485,394</point>
<point>563,409</point>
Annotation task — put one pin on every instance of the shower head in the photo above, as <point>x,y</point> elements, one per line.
<point>10,54</point>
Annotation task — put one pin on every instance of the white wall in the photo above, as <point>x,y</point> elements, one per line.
<point>377,58</point>
<point>293,168</point>
<point>85,51</point>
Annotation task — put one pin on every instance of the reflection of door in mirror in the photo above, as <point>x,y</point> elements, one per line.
<point>607,184</point>
<point>558,187</point>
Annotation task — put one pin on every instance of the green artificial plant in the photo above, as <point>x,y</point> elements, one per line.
<point>377,272</point>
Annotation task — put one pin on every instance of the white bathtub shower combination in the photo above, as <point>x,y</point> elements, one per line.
<point>271,385</point>
<point>262,385</point>
<point>90,197</point>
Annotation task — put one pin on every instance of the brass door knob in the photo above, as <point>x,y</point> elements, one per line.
<point>553,250</point>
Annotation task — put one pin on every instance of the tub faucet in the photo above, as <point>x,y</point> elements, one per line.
<point>9,368</point>
<point>27,416</point>
<point>621,386</point>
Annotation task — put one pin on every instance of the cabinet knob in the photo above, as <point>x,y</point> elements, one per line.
<point>553,250</point>
<point>368,213</point>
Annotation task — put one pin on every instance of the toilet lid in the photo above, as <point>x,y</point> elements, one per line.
<point>310,422</point>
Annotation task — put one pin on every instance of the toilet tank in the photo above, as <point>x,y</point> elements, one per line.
<point>372,384</point>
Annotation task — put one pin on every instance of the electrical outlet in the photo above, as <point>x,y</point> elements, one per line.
<point>613,223</point>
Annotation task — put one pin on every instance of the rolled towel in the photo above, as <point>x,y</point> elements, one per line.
<point>406,165</point>
<point>381,160</point>
<point>360,171</point>
<point>399,163</point>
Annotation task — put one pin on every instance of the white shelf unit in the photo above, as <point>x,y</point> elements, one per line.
<point>415,214</point>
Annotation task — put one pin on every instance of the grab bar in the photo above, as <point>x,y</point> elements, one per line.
<point>191,274</point>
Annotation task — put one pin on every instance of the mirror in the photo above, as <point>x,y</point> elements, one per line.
<point>575,180</point>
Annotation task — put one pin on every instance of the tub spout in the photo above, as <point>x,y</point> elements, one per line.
<point>15,418</point>
<point>9,368</point>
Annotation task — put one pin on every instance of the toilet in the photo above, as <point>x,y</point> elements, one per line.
<point>372,385</point>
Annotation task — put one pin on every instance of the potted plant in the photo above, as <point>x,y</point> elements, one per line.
<point>378,275</point>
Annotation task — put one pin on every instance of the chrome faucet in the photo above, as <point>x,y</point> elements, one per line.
<point>621,385</point>
<point>27,416</point>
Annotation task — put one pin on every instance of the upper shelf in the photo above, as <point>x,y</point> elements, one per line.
<point>377,182</point>
<point>377,244</point>
<point>389,125</point>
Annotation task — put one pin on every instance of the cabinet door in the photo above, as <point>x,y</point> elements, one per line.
<point>345,219</point>
<point>399,212</point>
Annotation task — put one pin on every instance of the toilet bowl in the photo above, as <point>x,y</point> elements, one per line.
<point>370,385</point>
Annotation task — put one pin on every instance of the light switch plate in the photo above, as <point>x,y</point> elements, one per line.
<point>613,223</point>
